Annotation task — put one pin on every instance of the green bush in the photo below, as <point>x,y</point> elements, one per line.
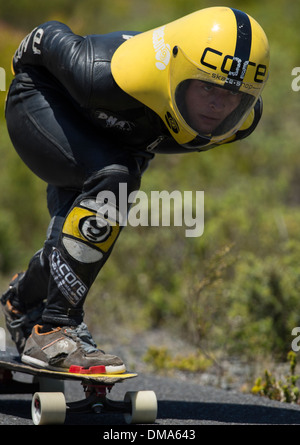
<point>282,390</point>
<point>160,359</point>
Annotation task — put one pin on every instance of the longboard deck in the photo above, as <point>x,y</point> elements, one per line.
<point>49,406</point>
<point>13,362</point>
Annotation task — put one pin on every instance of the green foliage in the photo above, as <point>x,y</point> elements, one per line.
<point>281,390</point>
<point>161,359</point>
<point>234,289</point>
<point>265,303</point>
<point>206,300</point>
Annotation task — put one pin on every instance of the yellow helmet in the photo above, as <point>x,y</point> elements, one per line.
<point>220,47</point>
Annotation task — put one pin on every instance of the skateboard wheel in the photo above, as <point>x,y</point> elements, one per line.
<point>143,407</point>
<point>48,408</point>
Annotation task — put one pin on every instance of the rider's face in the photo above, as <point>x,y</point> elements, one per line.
<point>208,105</point>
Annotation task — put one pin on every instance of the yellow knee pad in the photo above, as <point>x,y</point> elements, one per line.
<point>88,234</point>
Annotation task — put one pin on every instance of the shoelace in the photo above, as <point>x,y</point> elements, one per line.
<point>84,336</point>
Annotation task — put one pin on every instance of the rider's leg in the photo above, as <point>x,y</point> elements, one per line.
<point>61,147</point>
<point>24,301</point>
<point>86,239</point>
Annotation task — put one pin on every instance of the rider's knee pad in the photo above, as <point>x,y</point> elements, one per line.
<point>93,224</point>
<point>87,234</point>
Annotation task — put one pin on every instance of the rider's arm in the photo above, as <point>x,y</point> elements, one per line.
<point>67,56</point>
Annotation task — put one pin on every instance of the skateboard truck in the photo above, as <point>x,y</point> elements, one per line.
<point>51,408</point>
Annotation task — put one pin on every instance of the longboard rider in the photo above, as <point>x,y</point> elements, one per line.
<point>86,114</point>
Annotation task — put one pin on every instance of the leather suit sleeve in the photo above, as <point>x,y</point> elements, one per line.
<point>55,47</point>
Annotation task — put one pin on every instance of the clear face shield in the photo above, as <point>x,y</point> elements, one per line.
<point>205,107</point>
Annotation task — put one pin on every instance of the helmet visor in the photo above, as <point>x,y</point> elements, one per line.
<point>205,103</point>
<point>211,110</point>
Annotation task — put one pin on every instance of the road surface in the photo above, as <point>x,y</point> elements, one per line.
<point>180,403</point>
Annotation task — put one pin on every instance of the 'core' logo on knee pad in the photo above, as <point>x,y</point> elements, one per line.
<point>70,285</point>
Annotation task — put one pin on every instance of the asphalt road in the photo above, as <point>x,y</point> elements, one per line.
<point>180,403</point>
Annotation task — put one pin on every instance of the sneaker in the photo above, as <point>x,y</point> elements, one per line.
<point>63,348</point>
<point>19,324</point>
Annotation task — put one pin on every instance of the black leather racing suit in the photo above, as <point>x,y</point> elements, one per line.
<point>78,131</point>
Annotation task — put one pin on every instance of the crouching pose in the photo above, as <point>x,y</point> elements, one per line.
<point>86,114</point>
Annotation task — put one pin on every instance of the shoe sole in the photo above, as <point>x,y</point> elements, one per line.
<point>40,364</point>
